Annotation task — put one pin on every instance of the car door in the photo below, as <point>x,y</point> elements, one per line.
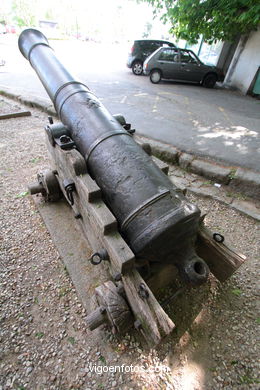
<point>169,63</point>
<point>191,68</point>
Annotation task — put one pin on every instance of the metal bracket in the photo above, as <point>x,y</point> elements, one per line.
<point>59,134</point>
<point>69,187</point>
<point>64,142</point>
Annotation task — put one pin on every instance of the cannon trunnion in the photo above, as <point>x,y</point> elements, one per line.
<point>134,217</point>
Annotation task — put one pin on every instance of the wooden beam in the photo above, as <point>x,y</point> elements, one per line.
<point>154,322</point>
<point>222,260</point>
<point>98,223</point>
<point>15,114</point>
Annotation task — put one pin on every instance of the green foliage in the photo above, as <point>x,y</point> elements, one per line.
<point>24,13</point>
<point>236,292</point>
<point>22,194</point>
<point>39,335</point>
<point>35,160</point>
<point>214,19</point>
<point>71,340</point>
<point>102,359</point>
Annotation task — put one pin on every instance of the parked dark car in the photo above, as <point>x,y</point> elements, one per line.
<point>180,64</point>
<point>140,50</point>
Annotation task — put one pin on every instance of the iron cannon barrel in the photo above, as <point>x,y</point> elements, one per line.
<point>156,220</point>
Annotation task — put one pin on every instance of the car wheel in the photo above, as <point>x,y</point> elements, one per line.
<point>155,76</point>
<point>209,80</point>
<point>137,68</point>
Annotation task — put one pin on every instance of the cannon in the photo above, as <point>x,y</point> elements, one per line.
<point>140,221</point>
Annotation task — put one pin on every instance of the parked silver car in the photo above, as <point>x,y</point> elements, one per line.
<point>140,50</point>
<point>180,64</point>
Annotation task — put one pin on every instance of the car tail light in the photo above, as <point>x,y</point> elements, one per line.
<point>132,49</point>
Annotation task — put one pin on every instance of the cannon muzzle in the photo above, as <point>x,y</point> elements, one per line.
<point>154,217</point>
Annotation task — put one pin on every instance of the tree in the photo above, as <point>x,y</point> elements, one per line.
<point>24,12</point>
<point>214,19</point>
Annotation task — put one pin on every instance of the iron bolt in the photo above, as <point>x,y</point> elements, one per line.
<point>64,139</point>
<point>142,291</point>
<point>137,324</point>
<point>102,310</point>
<point>118,277</point>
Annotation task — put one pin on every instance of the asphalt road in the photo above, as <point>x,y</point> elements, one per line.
<point>215,123</point>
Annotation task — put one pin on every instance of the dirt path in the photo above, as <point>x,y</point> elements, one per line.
<point>44,340</point>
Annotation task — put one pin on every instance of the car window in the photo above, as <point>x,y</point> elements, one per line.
<point>149,47</point>
<point>169,55</point>
<point>154,46</point>
<point>157,45</point>
<point>187,57</point>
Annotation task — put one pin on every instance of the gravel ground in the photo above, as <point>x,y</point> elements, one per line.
<point>44,340</point>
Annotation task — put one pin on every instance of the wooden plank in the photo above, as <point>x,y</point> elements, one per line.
<point>222,260</point>
<point>15,114</point>
<point>155,323</point>
<point>90,187</point>
<point>98,223</point>
<point>86,188</point>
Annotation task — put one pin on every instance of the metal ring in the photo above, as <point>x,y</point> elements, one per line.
<point>64,101</point>
<point>65,85</point>
<point>33,46</point>
<point>143,206</point>
<point>97,261</point>
<point>103,138</point>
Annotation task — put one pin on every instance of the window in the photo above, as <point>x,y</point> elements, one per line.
<point>169,55</point>
<point>188,57</point>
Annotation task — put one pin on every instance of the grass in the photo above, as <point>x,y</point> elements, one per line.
<point>35,160</point>
<point>65,270</point>
<point>102,359</point>
<point>247,380</point>
<point>39,335</point>
<point>237,292</point>
<point>71,340</point>
<point>232,174</point>
<point>64,291</point>
<point>22,194</point>
<point>236,195</point>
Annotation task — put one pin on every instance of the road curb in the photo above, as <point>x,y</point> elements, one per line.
<point>237,179</point>
<point>36,102</point>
